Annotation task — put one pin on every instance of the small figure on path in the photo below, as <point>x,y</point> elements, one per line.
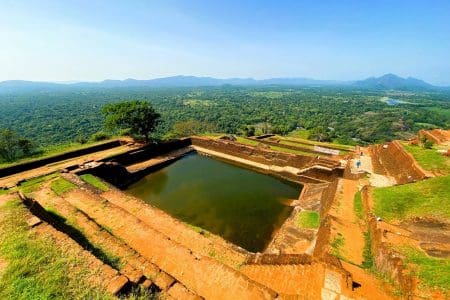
<point>358,164</point>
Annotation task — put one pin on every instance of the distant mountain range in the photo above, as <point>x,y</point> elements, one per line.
<point>385,82</point>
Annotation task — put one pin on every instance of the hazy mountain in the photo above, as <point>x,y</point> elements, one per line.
<point>388,81</point>
<point>393,82</point>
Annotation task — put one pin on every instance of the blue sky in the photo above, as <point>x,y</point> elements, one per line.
<point>344,40</point>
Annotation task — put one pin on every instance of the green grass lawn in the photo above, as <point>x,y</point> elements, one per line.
<point>94,181</point>
<point>432,272</point>
<point>35,268</point>
<point>429,197</point>
<point>429,159</point>
<point>60,186</point>
<point>308,219</point>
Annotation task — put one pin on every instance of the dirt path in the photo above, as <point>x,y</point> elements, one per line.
<point>12,180</point>
<point>346,223</point>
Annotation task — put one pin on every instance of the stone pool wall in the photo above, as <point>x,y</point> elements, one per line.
<point>298,167</point>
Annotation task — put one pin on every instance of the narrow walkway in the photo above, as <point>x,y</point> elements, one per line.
<point>376,180</point>
<point>346,225</point>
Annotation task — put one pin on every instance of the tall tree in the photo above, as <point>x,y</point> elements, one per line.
<point>139,117</point>
<point>13,147</point>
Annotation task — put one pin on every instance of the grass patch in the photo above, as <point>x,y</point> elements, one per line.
<point>337,244</point>
<point>357,205</point>
<point>36,269</point>
<point>308,219</point>
<point>4,191</point>
<point>246,141</point>
<point>429,197</point>
<point>368,262</point>
<point>60,186</point>
<point>95,181</point>
<point>432,272</point>
<point>279,148</point>
<point>305,141</point>
<point>33,184</point>
<point>429,159</point>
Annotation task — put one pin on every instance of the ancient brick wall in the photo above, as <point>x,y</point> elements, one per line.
<point>63,156</point>
<point>263,156</point>
<point>385,258</point>
<point>148,151</point>
<point>396,162</point>
<point>328,196</point>
<point>292,147</point>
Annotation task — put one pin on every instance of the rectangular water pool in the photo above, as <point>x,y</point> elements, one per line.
<point>242,206</point>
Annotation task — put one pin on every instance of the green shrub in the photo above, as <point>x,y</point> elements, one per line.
<point>100,136</point>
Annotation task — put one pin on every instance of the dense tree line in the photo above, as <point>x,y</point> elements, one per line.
<point>343,114</point>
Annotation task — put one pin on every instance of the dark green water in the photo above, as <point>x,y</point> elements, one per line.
<point>240,205</point>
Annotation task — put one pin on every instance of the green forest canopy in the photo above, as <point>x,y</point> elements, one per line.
<point>347,115</point>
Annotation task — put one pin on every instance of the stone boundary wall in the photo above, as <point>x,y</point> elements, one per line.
<point>328,197</point>
<point>385,258</point>
<point>148,151</point>
<point>279,259</point>
<point>287,146</point>
<point>397,162</point>
<point>63,156</point>
<point>437,136</point>
<point>308,278</point>
<point>323,235</point>
<point>267,157</point>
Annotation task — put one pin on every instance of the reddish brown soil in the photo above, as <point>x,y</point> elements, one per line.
<point>295,280</point>
<point>371,287</point>
<point>346,223</point>
<point>178,231</point>
<point>391,159</point>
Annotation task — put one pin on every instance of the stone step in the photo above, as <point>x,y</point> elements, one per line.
<point>300,280</point>
<point>198,241</point>
<point>100,274</point>
<point>131,264</point>
<point>201,274</point>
